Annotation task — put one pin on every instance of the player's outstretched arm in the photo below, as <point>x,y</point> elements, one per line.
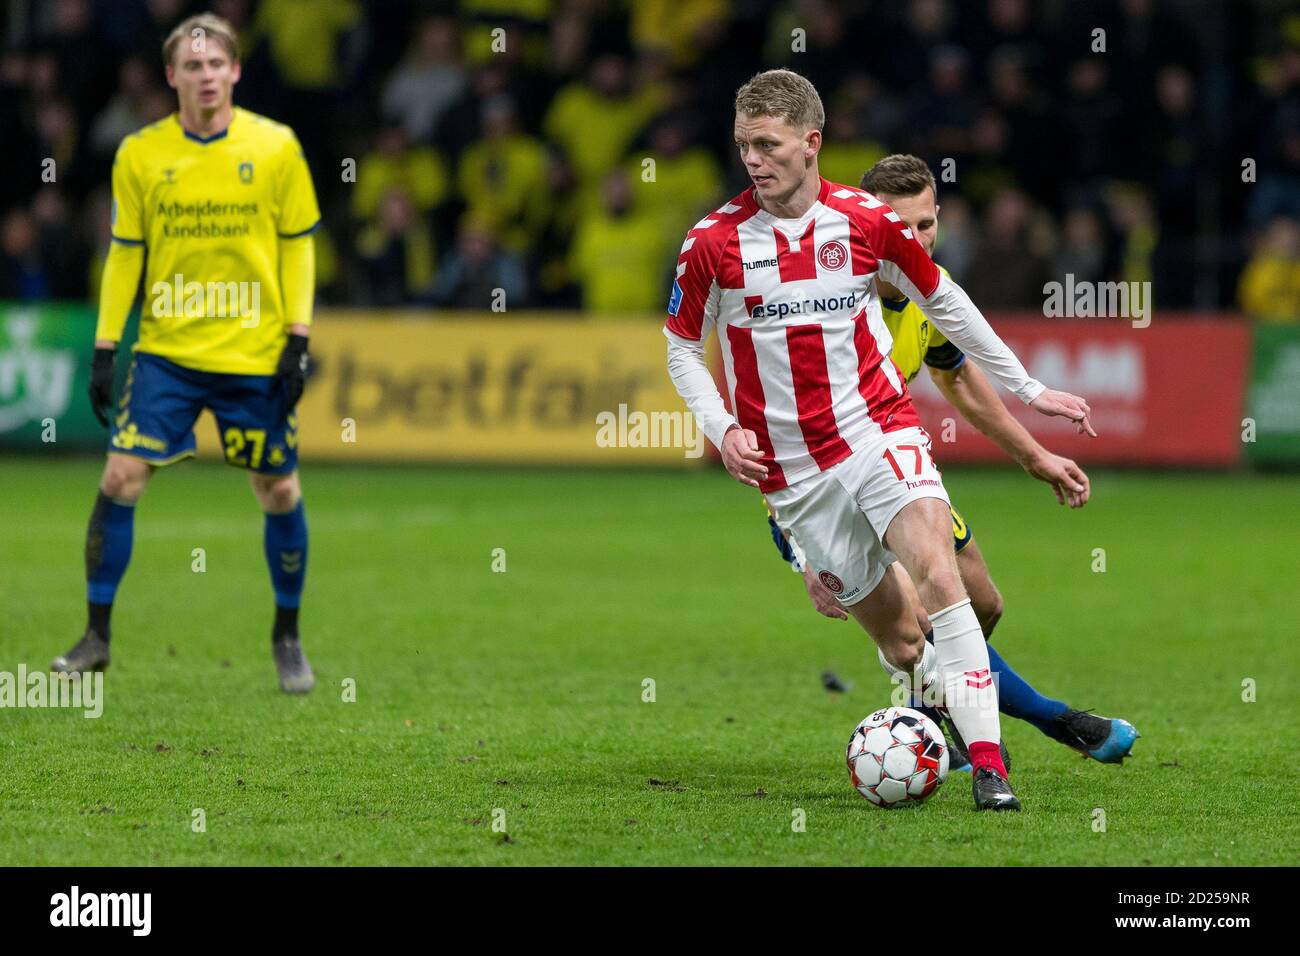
<point>905,265</point>
<point>1052,402</point>
<point>971,393</point>
<point>955,315</point>
<point>823,601</point>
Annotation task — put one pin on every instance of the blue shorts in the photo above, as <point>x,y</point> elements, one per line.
<point>961,532</point>
<point>162,400</point>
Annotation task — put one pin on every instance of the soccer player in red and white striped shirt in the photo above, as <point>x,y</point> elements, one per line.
<point>823,425</point>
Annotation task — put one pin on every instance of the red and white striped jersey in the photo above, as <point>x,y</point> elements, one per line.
<point>804,346</point>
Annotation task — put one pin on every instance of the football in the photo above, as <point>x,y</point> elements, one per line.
<point>897,757</point>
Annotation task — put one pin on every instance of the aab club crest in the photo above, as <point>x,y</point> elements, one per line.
<point>833,584</point>
<point>832,255</point>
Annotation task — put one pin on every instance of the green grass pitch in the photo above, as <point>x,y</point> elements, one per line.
<point>517,696</point>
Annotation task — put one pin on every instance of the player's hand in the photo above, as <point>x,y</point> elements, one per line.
<point>1069,481</point>
<point>741,456</point>
<point>101,383</point>
<point>292,370</point>
<point>1052,402</point>
<point>822,599</point>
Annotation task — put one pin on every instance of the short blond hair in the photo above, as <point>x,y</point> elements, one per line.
<point>782,93</point>
<point>207,25</point>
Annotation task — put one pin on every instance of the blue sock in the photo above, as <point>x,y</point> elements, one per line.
<point>1017,698</point>
<point>108,551</point>
<point>285,541</point>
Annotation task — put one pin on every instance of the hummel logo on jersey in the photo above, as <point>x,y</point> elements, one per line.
<point>761,264</point>
<point>779,310</point>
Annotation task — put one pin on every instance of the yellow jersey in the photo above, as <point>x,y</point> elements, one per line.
<point>916,340</point>
<point>211,212</point>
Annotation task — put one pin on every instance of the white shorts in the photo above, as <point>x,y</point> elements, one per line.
<point>839,516</point>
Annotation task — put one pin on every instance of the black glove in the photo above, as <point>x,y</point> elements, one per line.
<point>101,383</point>
<point>292,370</point>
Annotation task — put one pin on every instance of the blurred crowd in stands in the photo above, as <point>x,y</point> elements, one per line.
<point>559,149</point>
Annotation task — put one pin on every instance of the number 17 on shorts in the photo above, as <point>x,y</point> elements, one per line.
<point>911,462</point>
<point>899,471</point>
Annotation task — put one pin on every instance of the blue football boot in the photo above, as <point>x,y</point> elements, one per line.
<point>1104,739</point>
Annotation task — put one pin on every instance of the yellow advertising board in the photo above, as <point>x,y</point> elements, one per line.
<point>419,386</point>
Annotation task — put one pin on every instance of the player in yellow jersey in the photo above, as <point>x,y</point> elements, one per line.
<point>908,186</point>
<point>216,206</point>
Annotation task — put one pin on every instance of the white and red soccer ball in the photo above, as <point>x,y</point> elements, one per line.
<point>897,757</point>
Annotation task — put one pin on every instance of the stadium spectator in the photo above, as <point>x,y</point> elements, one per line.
<point>137,103</point>
<point>595,123</point>
<point>878,111</point>
<point>429,81</point>
<point>58,137</point>
<point>621,255</point>
<point>83,70</point>
<point>985,171</point>
<point>682,31</point>
<point>1271,136</point>
<point>687,180</point>
<point>1007,27</point>
<point>958,236</point>
<point>848,152</point>
<point>317,50</point>
<point>1082,250</point>
<point>308,40</point>
<point>98,229</point>
<point>526,20</point>
<point>1270,285</point>
<point>1092,112</point>
<point>462,123</point>
<point>397,253</point>
<point>1131,213</point>
<point>1007,271</point>
<point>1143,134</point>
<point>417,171</point>
<point>502,178</point>
<point>944,112</point>
<point>479,274</point>
<point>922,26</point>
<point>1034,139</point>
<point>552,268</point>
<point>20,154</point>
<point>22,274</point>
<point>60,247</point>
<point>824,26</point>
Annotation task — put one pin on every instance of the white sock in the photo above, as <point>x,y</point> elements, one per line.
<point>926,670</point>
<point>963,671</point>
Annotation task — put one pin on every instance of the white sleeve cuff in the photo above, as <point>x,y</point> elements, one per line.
<point>694,382</point>
<point>956,316</point>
